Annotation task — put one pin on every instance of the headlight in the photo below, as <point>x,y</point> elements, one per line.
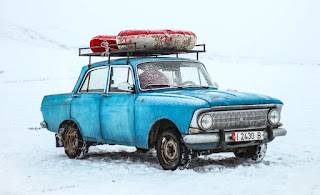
<point>274,116</point>
<point>206,121</point>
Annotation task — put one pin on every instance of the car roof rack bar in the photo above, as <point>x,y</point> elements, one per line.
<point>134,52</point>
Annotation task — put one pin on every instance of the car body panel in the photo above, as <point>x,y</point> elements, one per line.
<point>85,109</point>
<point>225,98</point>
<point>56,109</point>
<point>152,107</point>
<point>117,118</point>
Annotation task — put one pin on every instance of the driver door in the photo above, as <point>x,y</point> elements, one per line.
<point>117,107</point>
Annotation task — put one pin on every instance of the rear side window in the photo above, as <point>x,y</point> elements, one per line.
<point>95,81</point>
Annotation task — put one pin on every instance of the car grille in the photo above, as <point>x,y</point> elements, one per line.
<point>239,119</point>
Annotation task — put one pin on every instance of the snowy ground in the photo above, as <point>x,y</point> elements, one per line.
<point>30,163</point>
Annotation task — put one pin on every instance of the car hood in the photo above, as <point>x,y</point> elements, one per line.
<point>226,98</point>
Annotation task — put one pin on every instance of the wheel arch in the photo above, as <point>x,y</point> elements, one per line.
<point>70,120</point>
<point>157,128</point>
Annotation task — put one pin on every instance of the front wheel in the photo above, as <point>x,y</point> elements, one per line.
<point>73,143</point>
<point>255,153</point>
<point>171,151</point>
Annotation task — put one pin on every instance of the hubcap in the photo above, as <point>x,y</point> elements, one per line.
<point>169,151</point>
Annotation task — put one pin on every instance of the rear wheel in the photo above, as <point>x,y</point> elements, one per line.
<point>255,153</point>
<point>73,143</point>
<point>171,151</point>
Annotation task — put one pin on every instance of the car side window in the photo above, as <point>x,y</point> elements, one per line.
<point>120,76</point>
<point>95,81</point>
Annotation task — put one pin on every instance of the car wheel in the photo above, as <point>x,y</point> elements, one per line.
<point>73,143</point>
<point>255,153</point>
<point>171,151</point>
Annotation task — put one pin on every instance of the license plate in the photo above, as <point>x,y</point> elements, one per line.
<point>247,136</point>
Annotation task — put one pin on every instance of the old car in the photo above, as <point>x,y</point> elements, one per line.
<point>167,103</point>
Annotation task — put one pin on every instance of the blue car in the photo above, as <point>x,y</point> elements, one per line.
<point>167,103</point>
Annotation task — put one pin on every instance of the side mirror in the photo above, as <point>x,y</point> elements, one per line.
<point>124,86</point>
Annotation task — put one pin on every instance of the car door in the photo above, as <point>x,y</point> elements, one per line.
<point>85,106</point>
<point>117,107</point>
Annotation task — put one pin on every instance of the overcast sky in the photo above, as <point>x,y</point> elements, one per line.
<point>283,29</point>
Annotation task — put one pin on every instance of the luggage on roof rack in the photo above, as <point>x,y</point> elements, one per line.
<point>157,39</point>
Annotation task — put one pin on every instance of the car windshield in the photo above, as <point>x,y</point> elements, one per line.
<point>167,74</point>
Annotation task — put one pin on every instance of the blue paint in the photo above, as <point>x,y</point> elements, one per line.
<point>127,118</point>
<point>157,106</point>
<point>117,118</point>
<point>85,109</point>
<point>226,98</point>
<point>55,109</point>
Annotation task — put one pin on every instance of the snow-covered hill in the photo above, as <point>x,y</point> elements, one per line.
<point>28,55</point>
<point>22,34</point>
<point>30,163</point>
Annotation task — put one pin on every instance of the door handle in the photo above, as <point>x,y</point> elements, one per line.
<point>106,95</point>
<point>75,95</point>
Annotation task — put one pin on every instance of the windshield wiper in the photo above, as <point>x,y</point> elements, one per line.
<point>161,85</point>
<point>194,86</point>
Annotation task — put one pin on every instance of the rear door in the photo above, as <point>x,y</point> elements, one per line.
<point>117,107</point>
<point>85,106</point>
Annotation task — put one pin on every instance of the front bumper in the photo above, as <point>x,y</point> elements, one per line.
<point>218,140</point>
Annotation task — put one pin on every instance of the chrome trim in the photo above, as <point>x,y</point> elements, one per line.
<point>85,76</point>
<point>200,121</point>
<point>196,114</point>
<point>237,129</point>
<point>279,132</point>
<point>232,119</point>
<point>109,74</point>
<point>242,107</point>
<point>194,123</point>
<point>215,138</point>
<point>279,106</point>
<point>136,67</point>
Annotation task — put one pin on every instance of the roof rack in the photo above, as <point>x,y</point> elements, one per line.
<point>86,51</point>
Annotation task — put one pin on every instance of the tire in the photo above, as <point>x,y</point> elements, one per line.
<point>255,153</point>
<point>171,151</point>
<point>73,143</point>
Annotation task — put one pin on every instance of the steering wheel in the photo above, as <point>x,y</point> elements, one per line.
<point>186,82</point>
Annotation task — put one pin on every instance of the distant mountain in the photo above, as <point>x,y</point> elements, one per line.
<point>26,35</point>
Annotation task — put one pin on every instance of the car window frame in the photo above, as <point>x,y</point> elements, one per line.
<point>150,61</point>
<point>87,74</point>
<point>132,75</point>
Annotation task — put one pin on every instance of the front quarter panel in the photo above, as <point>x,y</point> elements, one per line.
<point>150,108</point>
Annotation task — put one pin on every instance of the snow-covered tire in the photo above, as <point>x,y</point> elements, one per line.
<point>73,143</point>
<point>171,151</point>
<point>255,153</point>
